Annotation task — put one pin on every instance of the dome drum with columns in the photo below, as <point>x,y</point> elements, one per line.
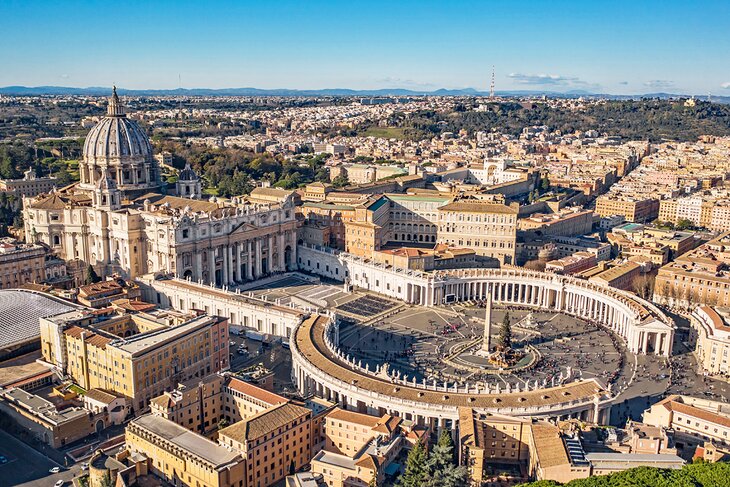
<point>118,147</point>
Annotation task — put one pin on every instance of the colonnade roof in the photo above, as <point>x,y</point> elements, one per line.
<point>310,341</point>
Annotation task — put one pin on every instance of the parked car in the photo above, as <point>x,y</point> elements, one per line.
<point>55,470</point>
<point>59,483</point>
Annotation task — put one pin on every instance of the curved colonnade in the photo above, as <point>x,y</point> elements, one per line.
<point>318,369</point>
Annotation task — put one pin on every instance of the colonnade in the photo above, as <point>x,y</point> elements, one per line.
<point>237,262</point>
<point>316,373</point>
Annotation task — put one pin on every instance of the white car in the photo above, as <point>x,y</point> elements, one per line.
<point>55,470</point>
<point>59,483</point>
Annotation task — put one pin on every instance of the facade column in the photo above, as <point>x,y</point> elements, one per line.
<point>224,266</point>
<point>282,262</point>
<point>249,260</point>
<point>258,258</point>
<point>231,268</point>
<point>211,265</point>
<point>198,265</point>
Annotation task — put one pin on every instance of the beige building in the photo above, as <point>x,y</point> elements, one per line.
<point>182,457</point>
<point>488,228</point>
<point>693,420</point>
<point>30,185</point>
<point>566,222</point>
<point>47,423</point>
<point>275,443</point>
<point>21,263</point>
<point>697,277</point>
<point>138,356</point>
<point>358,448</point>
<point>633,209</point>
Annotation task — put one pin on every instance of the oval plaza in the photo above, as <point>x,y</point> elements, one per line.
<point>324,368</point>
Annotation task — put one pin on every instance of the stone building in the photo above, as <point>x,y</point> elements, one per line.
<point>117,220</point>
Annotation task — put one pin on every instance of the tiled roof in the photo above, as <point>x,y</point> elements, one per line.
<point>352,417</point>
<point>549,446</point>
<point>264,423</point>
<point>100,395</point>
<point>263,395</point>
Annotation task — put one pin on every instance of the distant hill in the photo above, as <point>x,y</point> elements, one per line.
<point>103,91</point>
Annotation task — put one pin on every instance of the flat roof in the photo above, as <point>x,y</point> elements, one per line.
<point>144,341</point>
<point>186,439</point>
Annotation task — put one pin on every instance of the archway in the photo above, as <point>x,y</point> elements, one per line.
<point>188,274</point>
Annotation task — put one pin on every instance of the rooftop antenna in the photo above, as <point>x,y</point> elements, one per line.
<point>491,86</point>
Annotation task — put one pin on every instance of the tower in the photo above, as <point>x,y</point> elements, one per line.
<point>487,339</point>
<point>491,86</point>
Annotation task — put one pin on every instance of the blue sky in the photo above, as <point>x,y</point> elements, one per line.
<point>618,46</point>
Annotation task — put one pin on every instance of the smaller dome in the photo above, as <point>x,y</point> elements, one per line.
<point>187,174</point>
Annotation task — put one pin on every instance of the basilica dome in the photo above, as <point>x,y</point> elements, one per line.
<point>118,146</point>
<point>115,138</point>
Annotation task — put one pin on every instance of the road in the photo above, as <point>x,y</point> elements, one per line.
<point>27,467</point>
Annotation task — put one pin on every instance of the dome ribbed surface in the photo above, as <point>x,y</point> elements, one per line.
<point>116,137</point>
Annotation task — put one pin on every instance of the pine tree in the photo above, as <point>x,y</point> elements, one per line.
<point>91,275</point>
<point>416,473</point>
<point>441,465</point>
<point>505,333</point>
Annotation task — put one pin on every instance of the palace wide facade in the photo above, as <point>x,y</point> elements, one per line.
<point>117,220</point>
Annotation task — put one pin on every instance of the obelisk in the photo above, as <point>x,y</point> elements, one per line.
<point>487,340</point>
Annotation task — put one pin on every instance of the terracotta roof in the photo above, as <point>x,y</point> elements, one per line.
<point>163,401</point>
<point>387,424</point>
<point>679,407</point>
<point>549,446</point>
<point>367,461</point>
<point>353,417</point>
<point>264,422</point>
<point>100,395</point>
<point>256,392</point>
<point>91,338</point>
<point>52,202</point>
<point>99,287</point>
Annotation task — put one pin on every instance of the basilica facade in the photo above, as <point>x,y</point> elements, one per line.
<point>118,220</point>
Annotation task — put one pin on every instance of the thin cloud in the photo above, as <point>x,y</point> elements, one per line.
<point>544,79</point>
<point>659,84</point>
<point>404,82</point>
<point>726,85</point>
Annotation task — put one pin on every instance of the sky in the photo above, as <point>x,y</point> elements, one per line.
<point>619,47</point>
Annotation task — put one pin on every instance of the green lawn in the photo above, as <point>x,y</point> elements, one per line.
<point>385,132</point>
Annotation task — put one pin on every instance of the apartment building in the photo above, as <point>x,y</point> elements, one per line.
<point>182,457</point>
<point>566,222</point>
<point>138,356</point>
<point>693,420</point>
<point>275,443</point>
<point>697,277</point>
<point>21,263</point>
<point>638,209</point>
<point>488,228</point>
<point>358,448</point>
